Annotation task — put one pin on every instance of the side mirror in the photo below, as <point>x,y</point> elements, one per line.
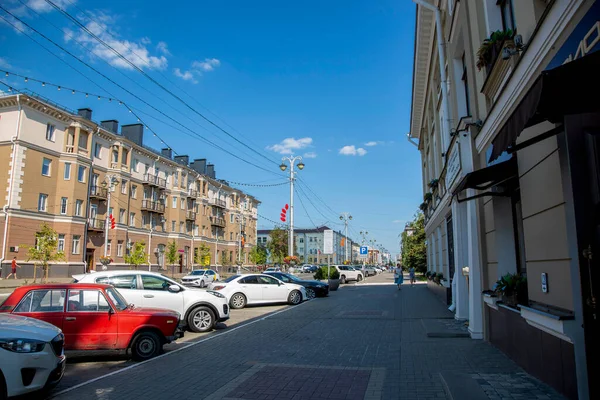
<point>174,288</point>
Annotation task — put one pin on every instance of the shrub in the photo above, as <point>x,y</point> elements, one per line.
<point>322,273</point>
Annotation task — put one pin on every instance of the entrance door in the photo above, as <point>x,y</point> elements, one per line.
<point>583,147</point>
<point>89,259</point>
<point>450,239</point>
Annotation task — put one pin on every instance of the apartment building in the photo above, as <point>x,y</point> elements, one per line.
<point>508,137</point>
<point>308,245</point>
<point>63,169</point>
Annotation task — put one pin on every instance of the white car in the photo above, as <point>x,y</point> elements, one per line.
<point>32,355</point>
<point>200,278</point>
<point>200,309</point>
<point>242,290</point>
<point>347,273</point>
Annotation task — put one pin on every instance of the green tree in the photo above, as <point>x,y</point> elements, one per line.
<point>258,255</point>
<point>172,256</point>
<point>202,256</point>
<point>278,245</point>
<point>414,251</point>
<point>45,250</point>
<point>137,255</point>
<point>225,258</point>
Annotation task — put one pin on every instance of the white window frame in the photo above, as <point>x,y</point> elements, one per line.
<point>123,186</point>
<point>67,172</point>
<point>64,201</point>
<point>50,132</point>
<point>81,168</point>
<point>109,247</point>
<point>119,248</point>
<point>134,191</point>
<point>78,207</point>
<point>61,243</point>
<point>132,219</point>
<point>122,215</point>
<point>43,202</point>
<point>49,171</point>
<point>76,244</point>
<point>174,201</point>
<point>98,151</point>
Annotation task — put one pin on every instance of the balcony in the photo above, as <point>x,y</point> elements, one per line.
<point>190,216</point>
<point>219,203</point>
<point>96,224</point>
<point>153,206</point>
<point>193,194</point>
<point>98,192</point>
<point>217,221</point>
<point>154,180</point>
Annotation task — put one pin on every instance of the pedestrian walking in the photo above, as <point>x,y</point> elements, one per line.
<point>398,276</point>
<point>411,273</point>
<point>13,268</point>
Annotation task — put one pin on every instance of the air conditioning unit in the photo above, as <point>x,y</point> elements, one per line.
<point>14,249</point>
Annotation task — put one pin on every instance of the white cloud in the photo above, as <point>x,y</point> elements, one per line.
<point>209,64</point>
<point>397,221</point>
<point>370,144</point>
<point>352,151</point>
<point>42,6</point>
<point>134,51</point>
<point>162,47</point>
<point>288,145</point>
<point>186,75</point>
<point>310,154</point>
<point>4,63</point>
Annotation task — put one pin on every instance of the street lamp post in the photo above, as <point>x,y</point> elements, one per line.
<point>346,217</point>
<point>109,183</point>
<point>283,167</point>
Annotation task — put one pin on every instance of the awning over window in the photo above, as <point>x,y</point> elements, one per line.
<point>569,89</point>
<point>485,178</point>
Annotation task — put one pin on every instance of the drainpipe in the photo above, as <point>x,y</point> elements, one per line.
<point>411,141</point>
<point>441,59</point>
<point>10,184</point>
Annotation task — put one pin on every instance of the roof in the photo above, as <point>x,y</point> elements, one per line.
<point>62,286</point>
<point>424,31</point>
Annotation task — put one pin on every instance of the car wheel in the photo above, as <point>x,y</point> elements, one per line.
<point>295,298</point>
<point>310,293</point>
<point>343,279</point>
<point>202,283</point>
<point>201,319</point>
<point>237,301</point>
<point>146,345</point>
<point>359,278</point>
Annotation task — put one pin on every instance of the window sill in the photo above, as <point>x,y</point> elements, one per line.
<point>555,323</point>
<point>491,300</point>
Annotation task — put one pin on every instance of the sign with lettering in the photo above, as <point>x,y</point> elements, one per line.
<point>584,40</point>
<point>328,241</point>
<point>453,166</point>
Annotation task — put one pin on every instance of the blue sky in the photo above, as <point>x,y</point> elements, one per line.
<point>326,80</point>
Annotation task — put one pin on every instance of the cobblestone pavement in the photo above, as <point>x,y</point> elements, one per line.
<point>362,342</point>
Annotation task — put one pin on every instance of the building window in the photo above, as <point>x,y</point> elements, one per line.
<point>98,150</point>
<point>174,201</point>
<point>83,140</point>
<point>76,242</point>
<point>181,227</point>
<point>144,219</point>
<point>508,16</point>
<point>231,218</point>
<point>120,248</point>
<point>135,164</point>
<point>63,205</point>
<point>67,174</point>
<point>122,214</point>
<point>78,207</point>
<point>132,219</point>
<point>109,247</point>
<point>50,132</point>
<point>133,191</point>
<point>124,156</point>
<point>230,235</point>
<point>46,164</point>
<point>301,240</point>
<point>115,156</point>
<point>465,81</point>
<point>123,186</point>
<point>173,226</point>
<point>175,178</point>
<point>43,202</point>
<point>61,243</point>
<point>81,174</point>
<point>182,204</point>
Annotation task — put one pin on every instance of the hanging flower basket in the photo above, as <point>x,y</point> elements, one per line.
<point>105,260</point>
<point>291,260</point>
<point>433,184</point>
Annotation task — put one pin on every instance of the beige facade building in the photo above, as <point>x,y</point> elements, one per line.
<point>506,114</point>
<point>62,168</point>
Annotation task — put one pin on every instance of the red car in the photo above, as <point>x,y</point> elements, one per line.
<point>96,317</point>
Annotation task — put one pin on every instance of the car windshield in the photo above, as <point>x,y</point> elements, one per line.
<point>293,278</point>
<point>231,278</point>
<point>198,272</point>
<point>117,298</point>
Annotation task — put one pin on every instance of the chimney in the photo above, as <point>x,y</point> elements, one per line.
<point>85,113</point>
<point>210,170</point>
<point>199,165</point>
<point>167,153</point>
<point>134,132</point>
<point>110,125</point>
<point>183,160</point>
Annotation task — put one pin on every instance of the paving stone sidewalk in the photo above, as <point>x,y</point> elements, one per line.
<point>362,342</point>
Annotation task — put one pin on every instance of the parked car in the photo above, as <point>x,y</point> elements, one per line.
<point>32,356</point>
<point>308,268</point>
<point>313,288</point>
<point>200,278</point>
<point>199,309</point>
<point>370,271</point>
<point>348,273</point>
<point>96,317</point>
<point>273,269</point>
<point>242,290</point>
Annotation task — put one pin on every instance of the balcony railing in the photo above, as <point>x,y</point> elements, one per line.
<point>153,206</point>
<point>219,203</point>
<point>154,180</point>
<point>98,192</point>
<point>193,193</point>
<point>96,224</point>
<point>190,215</point>
<point>217,221</point>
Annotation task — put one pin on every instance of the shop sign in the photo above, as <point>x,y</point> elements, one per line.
<point>453,166</point>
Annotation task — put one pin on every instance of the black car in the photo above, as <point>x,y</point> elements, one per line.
<point>313,288</point>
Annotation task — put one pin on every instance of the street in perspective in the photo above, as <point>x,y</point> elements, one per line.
<point>312,200</point>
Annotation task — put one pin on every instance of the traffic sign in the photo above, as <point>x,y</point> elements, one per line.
<point>364,250</point>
